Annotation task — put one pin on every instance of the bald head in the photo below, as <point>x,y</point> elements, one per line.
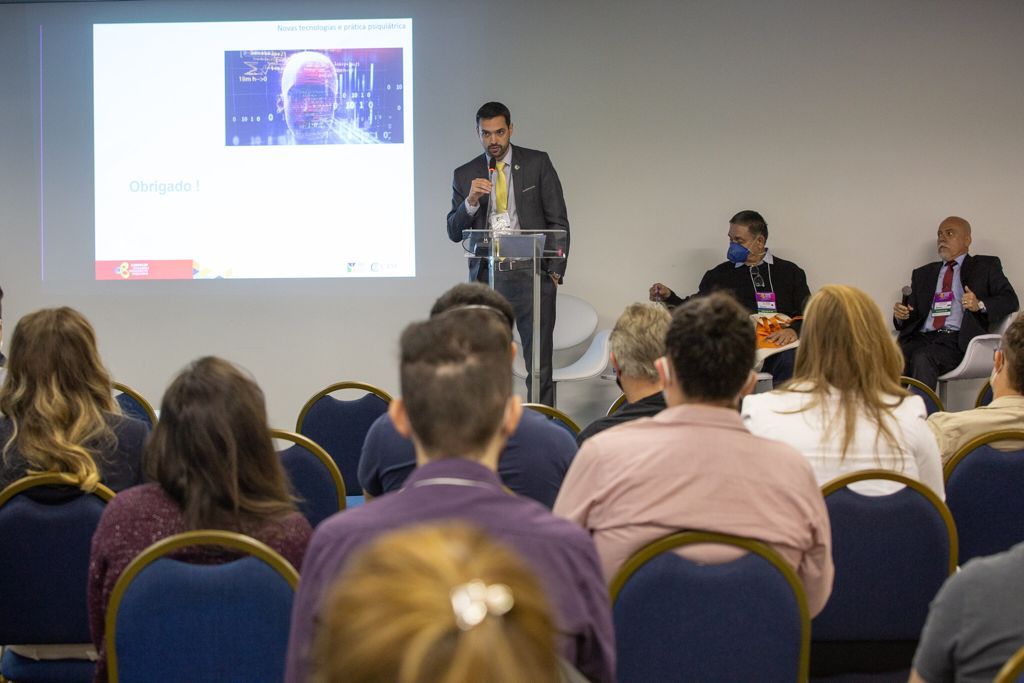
<point>309,87</point>
<point>954,238</point>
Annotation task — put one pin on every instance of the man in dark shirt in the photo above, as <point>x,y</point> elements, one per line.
<point>760,281</point>
<point>637,341</point>
<point>535,459</point>
<point>458,408</point>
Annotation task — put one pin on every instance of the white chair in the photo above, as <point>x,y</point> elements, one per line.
<point>977,360</point>
<point>575,323</point>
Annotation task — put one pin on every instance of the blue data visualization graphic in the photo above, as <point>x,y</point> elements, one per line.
<point>314,97</point>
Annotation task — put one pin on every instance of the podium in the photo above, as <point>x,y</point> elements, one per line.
<point>505,250</point>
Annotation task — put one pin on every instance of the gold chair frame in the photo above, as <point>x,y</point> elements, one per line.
<point>339,386</point>
<point>616,404</point>
<point>322,455</point>
<point>146,405</point>
<point>981,393</point>
<point>1013,669</point>
<point>554,413</point>
<point>51,479</point>
<point>918,384</point>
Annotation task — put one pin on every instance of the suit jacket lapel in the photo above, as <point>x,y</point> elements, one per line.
<point>517,183</point>
<point>966,270</point>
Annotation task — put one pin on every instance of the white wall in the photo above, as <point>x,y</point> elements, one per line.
<point>854,127</point>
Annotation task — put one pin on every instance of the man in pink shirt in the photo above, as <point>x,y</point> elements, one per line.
<point>695,466</point>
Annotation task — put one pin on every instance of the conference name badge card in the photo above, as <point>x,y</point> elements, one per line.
<point>765,302</point>
<point>942,304</point>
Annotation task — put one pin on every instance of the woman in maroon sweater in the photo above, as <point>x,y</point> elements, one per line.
<point>214,467</point>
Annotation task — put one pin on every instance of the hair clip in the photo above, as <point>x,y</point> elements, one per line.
<point>473,601</point>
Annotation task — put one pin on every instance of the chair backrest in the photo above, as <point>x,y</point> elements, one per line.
<point>45,540</point>
<point>315,478</point>
<point>932,402</point>
<point>985,493</point>
<point>575,322</point>
<point>616,404</point>
<point>340,426</point>
<point>891,553</point>
<point>557,416</point>
<point>1013,670</point>
<point>169,620</point>
<point>742,620</point>
<point>984,395</point>
<point>134,404</point>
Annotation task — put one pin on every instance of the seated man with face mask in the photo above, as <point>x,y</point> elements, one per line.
<point>760,281</point>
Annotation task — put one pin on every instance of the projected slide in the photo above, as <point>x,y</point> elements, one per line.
<point>254,150</point>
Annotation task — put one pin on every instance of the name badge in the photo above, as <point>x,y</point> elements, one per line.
<point>501,223</point>
<point>942,304</point>
<point>765,302</point>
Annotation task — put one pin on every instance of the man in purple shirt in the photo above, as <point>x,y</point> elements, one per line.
<point>457,406</point>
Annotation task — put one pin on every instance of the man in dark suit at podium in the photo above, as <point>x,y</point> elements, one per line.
<point>525,195</point>
<point>951,302</point>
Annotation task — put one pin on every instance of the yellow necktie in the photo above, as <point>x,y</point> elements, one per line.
<point>501,191</point>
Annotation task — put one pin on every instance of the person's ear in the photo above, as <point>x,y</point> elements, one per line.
<point>400,418</point>
<point>513,413</point>
<point>614,362</point>
<point>515,351</point>
<point>510,129</point>
<point>665,372</point>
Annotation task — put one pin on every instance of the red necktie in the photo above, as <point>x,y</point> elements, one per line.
<point>947,286</point>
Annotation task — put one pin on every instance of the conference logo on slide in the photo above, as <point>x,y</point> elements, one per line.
<point>145,270</point>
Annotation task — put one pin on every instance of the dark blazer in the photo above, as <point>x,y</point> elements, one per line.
<point>984,275</point>
<point>539,203</point>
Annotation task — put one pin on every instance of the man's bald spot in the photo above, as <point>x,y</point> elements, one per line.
<point>956,222</point>
<point>309,68</point>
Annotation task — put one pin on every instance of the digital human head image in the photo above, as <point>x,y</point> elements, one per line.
<point>309,97</point>
<point>331,96</point>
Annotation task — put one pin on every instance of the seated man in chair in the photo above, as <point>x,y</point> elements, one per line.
<point>951,302</point>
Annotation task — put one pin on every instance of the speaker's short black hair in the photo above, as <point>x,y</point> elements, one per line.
<point>492,109</point>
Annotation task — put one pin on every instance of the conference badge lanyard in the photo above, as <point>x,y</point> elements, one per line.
<point>942,304</point>
<point>766,301</point>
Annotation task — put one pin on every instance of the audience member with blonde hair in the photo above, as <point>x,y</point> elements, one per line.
<point>436,604</point>
<point>214,467</point>
<point>59,414</point>
<point>637,341</point>
<point>845,408</point>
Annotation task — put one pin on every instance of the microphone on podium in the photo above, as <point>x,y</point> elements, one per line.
<point>907,292</point>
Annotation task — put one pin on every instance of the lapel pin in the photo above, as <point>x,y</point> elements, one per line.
<point>516,167</point>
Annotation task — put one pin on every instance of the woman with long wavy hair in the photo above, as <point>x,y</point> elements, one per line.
<point>59,414</point>
<point>845,408</point>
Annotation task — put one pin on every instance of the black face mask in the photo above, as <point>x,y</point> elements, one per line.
<point>619,383</point>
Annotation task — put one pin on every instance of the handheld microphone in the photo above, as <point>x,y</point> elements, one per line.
<point>907,292</point>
